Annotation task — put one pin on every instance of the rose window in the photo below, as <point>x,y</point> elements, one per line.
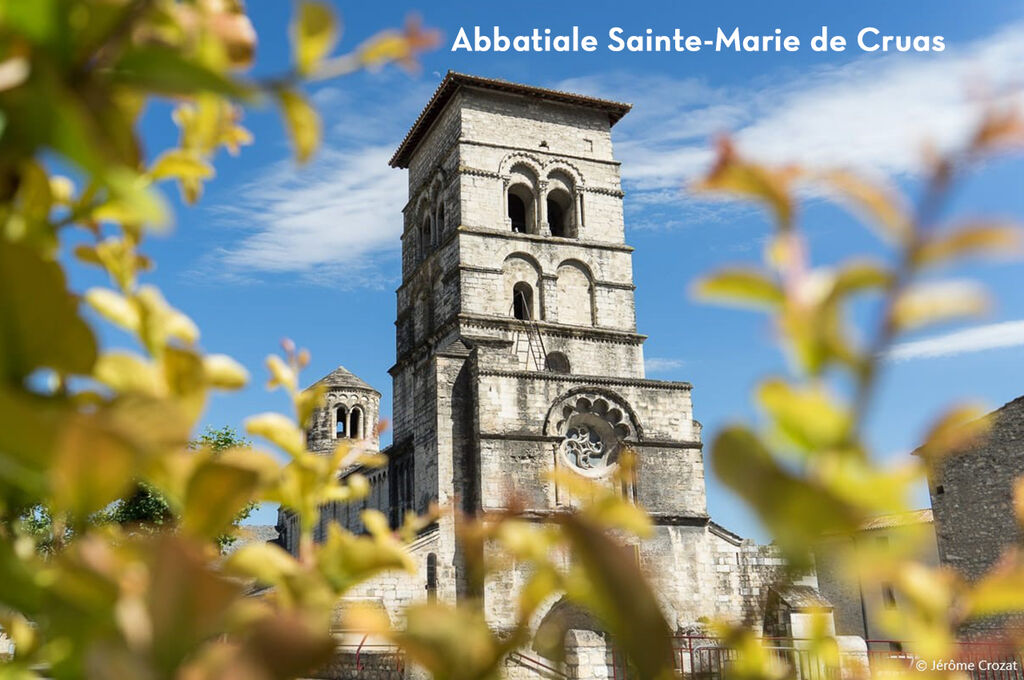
<point>592,434</point>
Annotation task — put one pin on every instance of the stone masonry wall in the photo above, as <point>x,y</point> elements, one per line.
<point>972,499</point>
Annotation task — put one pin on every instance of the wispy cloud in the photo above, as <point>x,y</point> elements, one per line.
<point>662,364</point>
<point>324,222</point>
<point>337,220</point>
<point>976,339</point>
<point>872,114</point>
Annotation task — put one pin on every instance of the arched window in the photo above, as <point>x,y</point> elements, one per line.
<point>340,422</point>
<point>431,577</point>
<point>560,213</point>
<point>355,423</point>
<point>439,223</point>
<point>517,213</point>
<point>520,209</point>
<point>556,362</point>
<point>425,238</point>
<point>522,301</point>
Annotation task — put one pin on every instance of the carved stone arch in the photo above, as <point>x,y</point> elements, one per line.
<point>521,255</point>
<point>580,264</point>
<point>594,426</point>
<point>561,617</point>
<point>421,207</point>
<point>523,159</point>
<point>554,414</point>
<point>520,269</point>
<point>575,296</point>
<point>435,188</point>
<point>557,165</point>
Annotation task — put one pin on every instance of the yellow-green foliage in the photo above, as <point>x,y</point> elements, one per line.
<point>808,472</point>
<point>80,427</point>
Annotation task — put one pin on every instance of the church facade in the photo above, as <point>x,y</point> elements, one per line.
<point>517,352</point>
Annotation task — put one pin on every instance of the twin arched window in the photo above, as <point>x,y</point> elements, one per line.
<point>431,229</point>
<point>348,423</point>
<point>557,208</point>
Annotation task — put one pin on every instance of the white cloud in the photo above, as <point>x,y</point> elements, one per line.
<point>662,364</point>
<point>976,339</point>
<point>335,220</point>
<point>325,221</point>
<point>875,113</point>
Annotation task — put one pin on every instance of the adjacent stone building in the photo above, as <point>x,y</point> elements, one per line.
<point>969,527</point>
<point>858,605</point>
<point>517,352</point>
<point>972,499</point>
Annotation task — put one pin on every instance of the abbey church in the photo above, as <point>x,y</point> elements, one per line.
<point>518,352</point>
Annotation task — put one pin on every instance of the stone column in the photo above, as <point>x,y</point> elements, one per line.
<point>853,657</point>
<point>542,209</point>
<point>587,656</point>
<point>577,218</point>
<point>503,208</point>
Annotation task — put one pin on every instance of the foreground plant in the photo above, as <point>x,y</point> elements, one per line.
<point>808,472</point>
<point>82,427</point>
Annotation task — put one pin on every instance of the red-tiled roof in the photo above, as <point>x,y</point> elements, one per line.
<point>898,519</point>
<point>453,81</point>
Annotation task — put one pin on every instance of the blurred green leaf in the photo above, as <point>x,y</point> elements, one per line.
<point>879,205</point>
<point>956,430</point>
<point>808,417</point>
<point>796,511</point>
<point>857,276</point>
<point>314,34</point>
<point>973,238</point>
<point>746,287</point>
<point>39,322</point>
<point>216,493</point>
<point>303,123</point>
<point>924,304</point>
<point>618,594</point>
<point>771,186</point>
<point>164,70</point>
<point>181,164</point>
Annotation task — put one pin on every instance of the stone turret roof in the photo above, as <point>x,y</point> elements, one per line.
<point>802,597</point>
<point>454,81</point>
<point>342,377</point>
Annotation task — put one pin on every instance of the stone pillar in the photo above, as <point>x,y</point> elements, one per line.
<point>542,209</point>
<point>853,657</point>
<point>549,297</point>
<point>503,208</point>
<point>588,656</point>
<point>577,217</point>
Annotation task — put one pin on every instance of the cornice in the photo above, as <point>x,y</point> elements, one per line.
<point>595,333</point>
<point>601,380</point>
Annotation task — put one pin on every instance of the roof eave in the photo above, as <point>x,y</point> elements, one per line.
<point>453,81</point>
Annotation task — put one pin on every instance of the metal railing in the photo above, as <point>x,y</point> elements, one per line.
<point>382,659</point>
<point>706,658</point>
<point>700,657</point>
<point>536,665</point>
<point>981,660</point>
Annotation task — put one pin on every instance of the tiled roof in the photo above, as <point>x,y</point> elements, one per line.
<point>342,377</point>
<point>803,597</point>
<point>253,533</point>
<point>453,81</point>
<point>899,519</point>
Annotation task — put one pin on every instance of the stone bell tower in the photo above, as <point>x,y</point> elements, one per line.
<point>517,353</point>
<point>517,348</point>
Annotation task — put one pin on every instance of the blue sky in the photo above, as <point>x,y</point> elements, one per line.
<point>312,253</point>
